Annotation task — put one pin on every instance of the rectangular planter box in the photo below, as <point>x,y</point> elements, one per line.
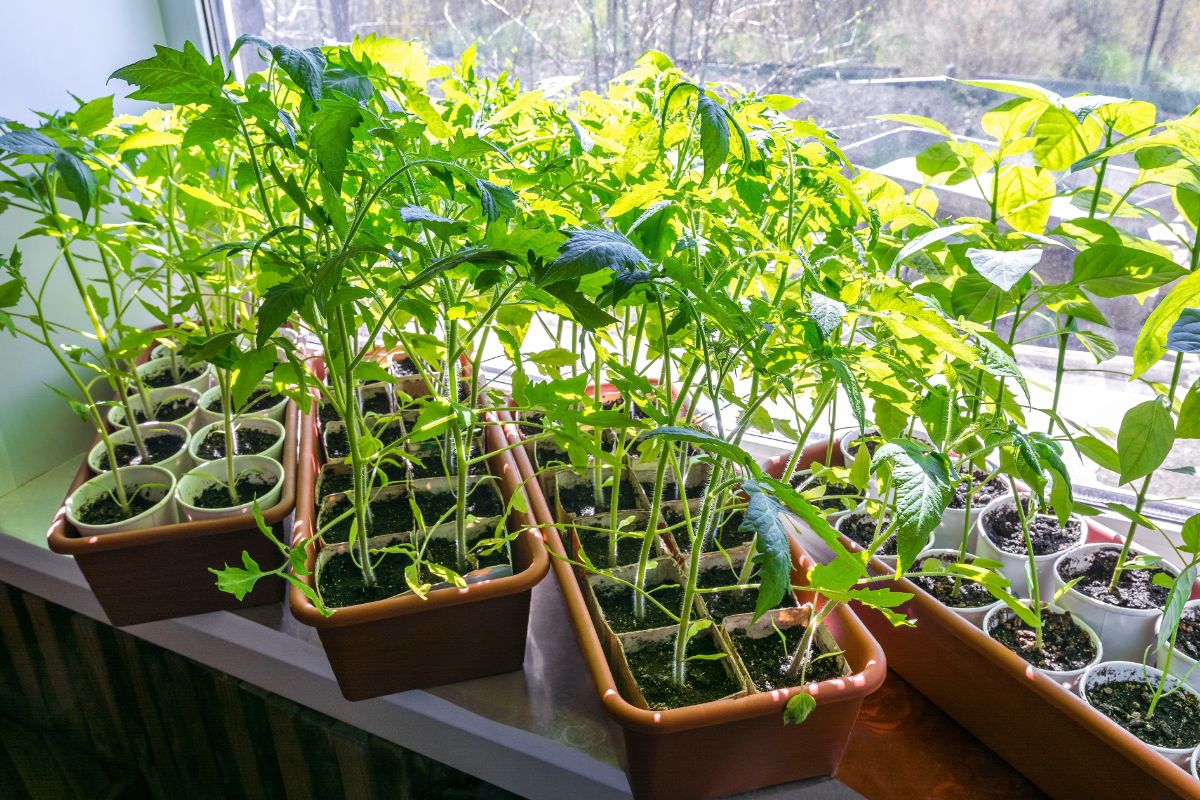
<point>1045,732</point>
<point>160,573</point>
<point>731,745</point>
<point>405,642</point>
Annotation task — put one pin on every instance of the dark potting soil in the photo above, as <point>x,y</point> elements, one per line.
<point>391,514</point>
<point>706,680</point>
<point>247,487</point>
<point>723,604</point>
<point>985,490</point>
<point>1135,588</point>
<point>727,533</point>
<point>259,400</point>
<point>326,413</point>
<point>105,510</point>
<point>158,448</point>
<point>1003,528</point>
<point>860,527</point>
<point>595,545</point>
<point>546,453</point>
<point>402,366</point>
<point>169,410</point>
<point>340,580</point>
<point>1176,720</point>
<point>1188,639</point>
<point>1065,645</point>
<point>246,441</point>
<point>767,659</point>
<point>579,500</point>
<point>692,491</point>
<point>482,501</point>
<point>335,482</point>
<point>970,594</point>
<point>337,444</point>
<point>832,500</point>
<point>377,403</point>
<point>163,377</point>
<point>617,604</point>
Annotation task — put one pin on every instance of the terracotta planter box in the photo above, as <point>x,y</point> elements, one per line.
<point>160,573</point>
<point>730,745</point>
<point>405,642</point>
<point>1045,732</point>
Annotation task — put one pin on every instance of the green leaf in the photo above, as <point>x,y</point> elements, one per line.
<point>1132,515</point>
<point>996,358</point>
<point>443,227</point>
<point>798,707</point>
<point>826,312</point>
<point>1003,268</point>
<point>853,391</point>
<point>714,136</point>
<point>590,250</point>
<point>332,136</point>
<point>251,369</point>
<point>1023,196</point>
<point>236,580</point>
<point>1181,590</point>
<point>1151,344</point>
<point>1145,438</point>
<point>496,201</point>
<point>917,121</point>
<point>28,143</point>
<point>1184,336</point>
<point>279,303</point>
<point>1113,270</point>
<point>928,238</point>
<point>1190,534</point>
<point>703,440</point>
<point>302,66</point>
<point>182,77</point>
<point>10,292</point>
<point>1098,451</point>
<point>772,550</point>
<point>923,489</point>
<point>1019,88</point>
<point>94,115</point>
<point>78,179</point>
<point>1189,414</point>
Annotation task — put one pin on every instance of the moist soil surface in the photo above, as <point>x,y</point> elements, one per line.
<point>340,581</point>
<point>580,500</point>
<point>402,366</point>
<point>1065,645</point>
<point>727,535</point>
<point>970,594</point>
<point>1135,588</point>
<point>377,403</point>
<point>723,604</point>
<point>337,443</point>
<point>1003,528</point>
<point>767,659</point>
<point>158,448</point>
<point>1176,720</point>
<point>247,441</point>
<point>860,528</point>
<point>706,680</point>
<point>168,411</point>
<point>163,377</point>
<point>248,487</point>
<point>985,490</point>
<point>482,501</point>
<point>832,500</point>
<point>595,546</point>
<point>326,413</point>
<point>1187,641</point>
<point>391,514</point>
<point>105,510</point>
<point>617,604</point>
<point>259,400</point>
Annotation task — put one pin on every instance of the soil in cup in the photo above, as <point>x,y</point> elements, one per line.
<point>1176,720</point>
<point>247,486</point>
<point>105,510</point>
<point>707,679</point>
<point>159,447</point>
<point>767,658</point>
<point>1065,645</point>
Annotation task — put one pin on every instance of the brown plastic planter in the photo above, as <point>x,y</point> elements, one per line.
<point>730,745</point>
<point>1045,732</point>
<point>160,573</point>
<point>405,642</point>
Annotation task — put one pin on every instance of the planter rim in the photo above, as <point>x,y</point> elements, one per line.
<point>238,461</point>
<point>202,432</point>
<point>1092,547</point>
<point>302,607</point>
<point>148,429</point>
<point>145,367</point>
<point>705,714</point>
<point>1000,608</point>
<point>1096,669</point>
<point>62,537</point>
<point>113,476</point>
<point>1040,559</point>
<point>154,395</point>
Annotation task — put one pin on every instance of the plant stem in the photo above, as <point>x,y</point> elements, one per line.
<point>1035,596</point>
<point>353,420</point>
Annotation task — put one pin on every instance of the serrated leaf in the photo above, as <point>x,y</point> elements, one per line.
<point>1003,268</point>
<point>995,358</point>
<point>702,439</point>
<point>332,135</point>
<point>94,115</point>
<point>28,143</point>
<point>714,136</point>
<point>772,551</point>
<point>304,67</point>
<point>78,179</point>
<point>444,227</point>
<point>175,76</point>
<point>589,250</point>
<point>1145,439</point>
<point>238,581</point>
<point>825,311</point>
<point>923,489</point>
<point>852,390</point>
<point>279,303</point>
<point>496,201</point>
